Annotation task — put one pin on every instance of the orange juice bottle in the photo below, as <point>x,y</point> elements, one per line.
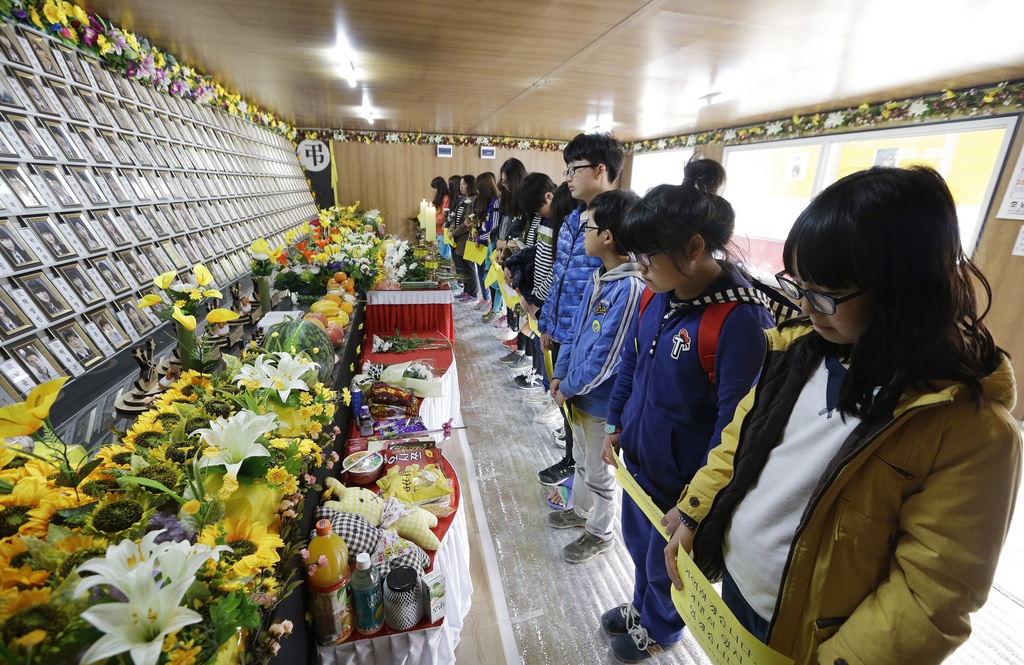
<point>329,586</point>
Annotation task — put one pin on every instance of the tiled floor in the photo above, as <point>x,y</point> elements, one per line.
<point>552,607</point>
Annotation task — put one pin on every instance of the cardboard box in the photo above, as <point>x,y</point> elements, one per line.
<point>433,586</point>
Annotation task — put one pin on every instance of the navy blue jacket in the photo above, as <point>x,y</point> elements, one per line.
<point>670,414</point>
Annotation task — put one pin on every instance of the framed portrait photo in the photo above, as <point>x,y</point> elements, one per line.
<point>26,131</point>
<point>55,181</point>
<point>111,227</point>
<point>8,95</point>
<point>137,272</point>
<point>34,92</point>
<point>139,321</point>
<point>63,140</point>
<point>12,321</point>
<point>82,348</point>
<point>67,100</point>
<point>6,149</point>
<point>127,215</point>
<point>118,113</point>
<point>9,45</point>
<point>155,260</point>
<point>172,252</point>
<point>40,47</point>
<point>71,64</point>
<point>81,227</point>
<point>13,248</point>
<point>96,110</point>
<point>18,182</point>
<point>47,232</point>
<point>88,185</point>
<point>109,327</point>
<point>79,280</point>
<point>110,274</point>
<point>37,360</point>
<point>97,74</point>
<point>109,178</point>
<point>42,292</point>
<point>91,145</point>
<point>158,225</point>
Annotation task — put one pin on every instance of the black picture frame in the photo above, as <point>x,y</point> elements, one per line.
<point>46,298</point>
<point>40,47</point>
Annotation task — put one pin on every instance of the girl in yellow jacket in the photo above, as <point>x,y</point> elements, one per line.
<point>858,502</point>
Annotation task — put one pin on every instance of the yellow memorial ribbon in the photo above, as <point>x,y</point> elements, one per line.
<point>475,252</point>
<point>714,626</point>
<point>448,237</point>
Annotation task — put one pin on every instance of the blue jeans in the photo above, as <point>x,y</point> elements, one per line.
<point>737,604</point>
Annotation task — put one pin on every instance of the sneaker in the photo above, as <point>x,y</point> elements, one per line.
<point>551,414</point>
<point>464,297</point>
<point>524,362</point>
<point>636,647</point>
<point>490,317</point>
<point>505,335</point>
<point>619,620</point>
<point>584,548</point>
<point>511,343</point>
<point>483,305</point>
<point>502,322</point>
<point>565,519</point>
<point>557,473</point>
<point>529,381</point>
<point>560,436</point>
<point>542,399</point>
<point>510,358</point>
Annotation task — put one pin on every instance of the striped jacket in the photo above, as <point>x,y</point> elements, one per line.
<point>589,357</point>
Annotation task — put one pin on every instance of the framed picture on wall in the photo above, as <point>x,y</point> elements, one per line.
<point>114,143</point>
<point>110,328</point>
<point>65,97</point>
<point>29,136</point>
<point>110,226</point>
<point>71,64</point>
<point>9,45</point>
<point>155,260</point>
<point>81,227</point>
<point>40,47</point>
<point>18,182</point>
<point>52,239</point>
<point>91,146</point>
<point>127,215</point>
<point>34,92</point>
<point>137,273</point>
<point>97,74</point>
<point>37,360</point>
<point>12,320</point>
<point>88,185</point>
<point>8,95</point>
<point>6,149</point>
<point>110,180</point>
<point>82,348</point>
<point>49,301</point>
<point>117,112</point>
<point>96,110</point>
<point>110,274</point>
<point>158,225</point>
<point>55,180</point>
<point>63,141</point>
<point>82,284</point>
<point>138,321</point>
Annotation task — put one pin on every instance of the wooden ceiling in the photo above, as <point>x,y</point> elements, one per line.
<point>553,68</point>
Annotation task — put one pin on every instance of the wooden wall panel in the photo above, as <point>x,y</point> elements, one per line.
<point>396,177</point>
<point>1006,274</point>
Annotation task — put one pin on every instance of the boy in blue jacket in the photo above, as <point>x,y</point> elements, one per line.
<point>593,162</point>
<point>586,369</point>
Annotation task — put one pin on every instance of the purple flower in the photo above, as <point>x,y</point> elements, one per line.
<point>95,24</point>
<point>174,531</point>
<point>89,36</point>
<point>19,14</point>
<point>130,70</point>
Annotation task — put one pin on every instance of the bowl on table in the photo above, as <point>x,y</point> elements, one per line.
<point>363,468</point>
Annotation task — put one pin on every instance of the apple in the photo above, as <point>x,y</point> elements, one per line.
<point>318,319</point>
<point>336,333</point>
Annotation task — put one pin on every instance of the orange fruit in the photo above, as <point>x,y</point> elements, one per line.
<point>345,307</point>
<point>340,277</point>
<point>348,284</point>
<point>333,297</point>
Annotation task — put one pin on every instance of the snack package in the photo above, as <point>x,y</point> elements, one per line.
<point>415,484</point>
<point>385,393</point>
<point>400,425</point>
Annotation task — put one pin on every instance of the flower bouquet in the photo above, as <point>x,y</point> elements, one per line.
<point>183,302</point>
<point>263,260</point>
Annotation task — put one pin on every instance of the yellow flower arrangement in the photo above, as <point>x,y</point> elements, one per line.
<point>255,548</point>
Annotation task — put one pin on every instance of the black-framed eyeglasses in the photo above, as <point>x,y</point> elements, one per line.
<point>571,172</point>
<point>822,302</point>
<point>591,227</point>
<point>642,259</point>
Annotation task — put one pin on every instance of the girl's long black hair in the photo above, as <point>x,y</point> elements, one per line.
<point>894,233</point>
<point>440,186</point>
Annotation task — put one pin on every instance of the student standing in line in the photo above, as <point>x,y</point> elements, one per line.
<point>441,203</point>
<point>455,200</point>
<point>857,504</point>
<point>510,230</point>
<point>585,373</point>
<point>669,404</point>
<point>593,163</point>
<point>462,225</point>
<point>485,209</point>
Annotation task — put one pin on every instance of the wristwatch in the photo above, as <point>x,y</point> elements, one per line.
<point>611,429</point>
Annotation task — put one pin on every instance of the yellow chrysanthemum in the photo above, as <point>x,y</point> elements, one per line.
<point>290,485</point>
<point>254,548</point>
<point>191,507</point>
<point>228,487</point>
<point>277,475</point>
<point>180,653</point>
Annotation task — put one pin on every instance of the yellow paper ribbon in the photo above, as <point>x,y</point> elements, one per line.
<point>714,626</point>
<point>495,274</point>
<point>475,252</point>
<point>448,240</point>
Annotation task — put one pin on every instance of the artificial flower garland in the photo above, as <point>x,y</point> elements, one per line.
<point>134,57</point>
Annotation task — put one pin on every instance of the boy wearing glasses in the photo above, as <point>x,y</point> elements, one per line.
<point>593,162</point>
<point>586,369</point>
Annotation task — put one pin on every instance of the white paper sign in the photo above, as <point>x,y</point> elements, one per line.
<point>65,357</point>
<point>18,377</point>
<point>127,325</point>
<point>1018,247</point>
<point>29,307</point>
<point>1013,201</point>
<point>68,293</point>
<point>73,239</point>
<point>100,283</point>
<point>33,242</point>
<point>99,338</point>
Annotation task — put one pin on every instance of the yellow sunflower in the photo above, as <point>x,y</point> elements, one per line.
<point>141,426</point>
<point>254,547</point>
<point>192,378</point>
<point>72,544</point>
<point>28,508</point>
<point>116,456</point>
<point>24,577</point>
<point>14,600</point>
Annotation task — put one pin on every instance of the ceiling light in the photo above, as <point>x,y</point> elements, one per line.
<point>709,98</point>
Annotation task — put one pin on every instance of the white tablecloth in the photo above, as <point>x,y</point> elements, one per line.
<point>410,297</point>
<point>434,645</point>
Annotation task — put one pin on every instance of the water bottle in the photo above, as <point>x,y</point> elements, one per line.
<point>368,596</point>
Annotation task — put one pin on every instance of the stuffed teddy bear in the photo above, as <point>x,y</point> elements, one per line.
<point>358,500</point>
<point>408,521</point>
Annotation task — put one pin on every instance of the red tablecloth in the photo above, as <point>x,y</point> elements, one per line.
<point>389,313</point>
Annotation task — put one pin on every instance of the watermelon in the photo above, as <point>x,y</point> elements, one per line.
<point>296,337</point>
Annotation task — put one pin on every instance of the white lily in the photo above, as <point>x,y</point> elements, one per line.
<point>252,373</point>
<point>235,439</point>
<point>287,375</point>
<point>121,561</point>
<point>139,625</point>
<point>182,561</point>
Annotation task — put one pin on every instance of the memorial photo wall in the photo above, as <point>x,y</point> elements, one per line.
<point>106,183</point>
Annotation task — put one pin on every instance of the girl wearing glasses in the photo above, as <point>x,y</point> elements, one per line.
<point>857,505</point>
<point>666,410</point>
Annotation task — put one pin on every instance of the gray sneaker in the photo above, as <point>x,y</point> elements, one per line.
<point>585,548</point>
<point>565,519</point>
<point>522,364</point>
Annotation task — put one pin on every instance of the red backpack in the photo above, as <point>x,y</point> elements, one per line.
<point>708,330</point>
